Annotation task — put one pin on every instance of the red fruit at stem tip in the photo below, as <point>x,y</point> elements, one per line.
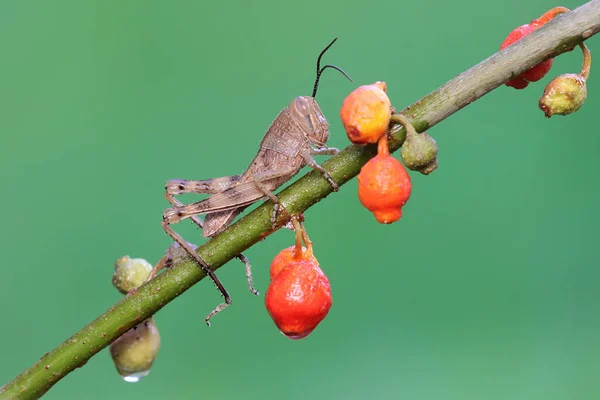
<point>298,298</point>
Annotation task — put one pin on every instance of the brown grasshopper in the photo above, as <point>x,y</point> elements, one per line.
<point>299,132</point>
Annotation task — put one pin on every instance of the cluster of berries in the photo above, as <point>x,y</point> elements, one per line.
<point>135,351</point>
<point>384,186</point>
<point>299,294</point>
<point>566,93</point>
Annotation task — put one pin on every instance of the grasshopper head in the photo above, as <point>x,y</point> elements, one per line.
<point>307,113</point>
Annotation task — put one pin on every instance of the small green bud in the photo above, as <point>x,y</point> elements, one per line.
<point>130,273</point>
<point>564,95</point>
<point>135,351</point>
<point>419,153</point>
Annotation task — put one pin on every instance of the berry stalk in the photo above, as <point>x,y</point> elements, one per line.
<point>587,61</point>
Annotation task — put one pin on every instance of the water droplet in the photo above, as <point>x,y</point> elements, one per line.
<point>136,377</point>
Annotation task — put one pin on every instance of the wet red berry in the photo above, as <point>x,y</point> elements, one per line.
<point>298,298</point>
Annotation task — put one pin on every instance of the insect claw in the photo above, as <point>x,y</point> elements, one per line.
<point>277,208</point>
<point>332,183</point>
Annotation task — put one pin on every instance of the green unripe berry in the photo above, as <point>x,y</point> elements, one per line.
<point>419,153</point>
<point>564,95</point>
<point>130,273</point>
<point>135,351</point>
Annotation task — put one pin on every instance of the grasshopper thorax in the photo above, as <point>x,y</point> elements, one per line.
<point>308,114</point>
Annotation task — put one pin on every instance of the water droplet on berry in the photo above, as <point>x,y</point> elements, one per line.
<point>136,377</point>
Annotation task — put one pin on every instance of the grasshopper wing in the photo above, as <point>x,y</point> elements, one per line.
<point>236,196</point>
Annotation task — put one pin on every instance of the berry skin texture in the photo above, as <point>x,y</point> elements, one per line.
<point>564,95</point>
<point>286,256</point>
<point>299,298</point>
<point>384,187</point>
<point>419,153</point>
<point>366,113</point>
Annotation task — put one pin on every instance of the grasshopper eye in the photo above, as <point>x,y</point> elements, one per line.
<point>304,113</point>
<point>302,105</point>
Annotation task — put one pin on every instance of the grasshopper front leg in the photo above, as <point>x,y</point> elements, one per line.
<point>310,161</point>
<point>324,151</point>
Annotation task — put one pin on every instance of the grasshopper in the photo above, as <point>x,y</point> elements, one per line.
<point>299,132</point>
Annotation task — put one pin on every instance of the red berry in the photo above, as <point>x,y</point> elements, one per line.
<point>517,83</point>
<point>384,187</point>
<point>298,298</point>
<point>287,255</point>
<point>535,73</point>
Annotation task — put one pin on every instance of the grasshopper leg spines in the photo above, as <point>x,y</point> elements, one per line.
<point>314,165</point>
<point>166,226</point>
<point>209,186</point>
<point>248,267</point>
<point>217,310</point>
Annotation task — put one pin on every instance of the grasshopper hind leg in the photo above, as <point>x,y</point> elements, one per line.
<point>190,250</point>
<point>210,186</point>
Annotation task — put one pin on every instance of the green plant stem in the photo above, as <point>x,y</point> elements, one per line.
<point>559,35</point>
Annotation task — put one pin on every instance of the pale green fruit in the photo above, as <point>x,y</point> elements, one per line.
<point>135,351</point>
<point>564,95</point>
<point>130,273</point>
<point>419,153</point>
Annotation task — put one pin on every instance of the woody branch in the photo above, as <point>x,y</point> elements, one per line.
<point>558,36</point>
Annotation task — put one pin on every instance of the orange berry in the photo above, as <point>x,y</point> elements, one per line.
<point>366,113</point>
<point>299,298</point>
<point>384,187</point>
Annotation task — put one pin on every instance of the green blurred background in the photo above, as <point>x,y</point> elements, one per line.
<point>486,289</point>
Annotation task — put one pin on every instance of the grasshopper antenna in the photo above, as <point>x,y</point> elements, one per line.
<point>320,70</point>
